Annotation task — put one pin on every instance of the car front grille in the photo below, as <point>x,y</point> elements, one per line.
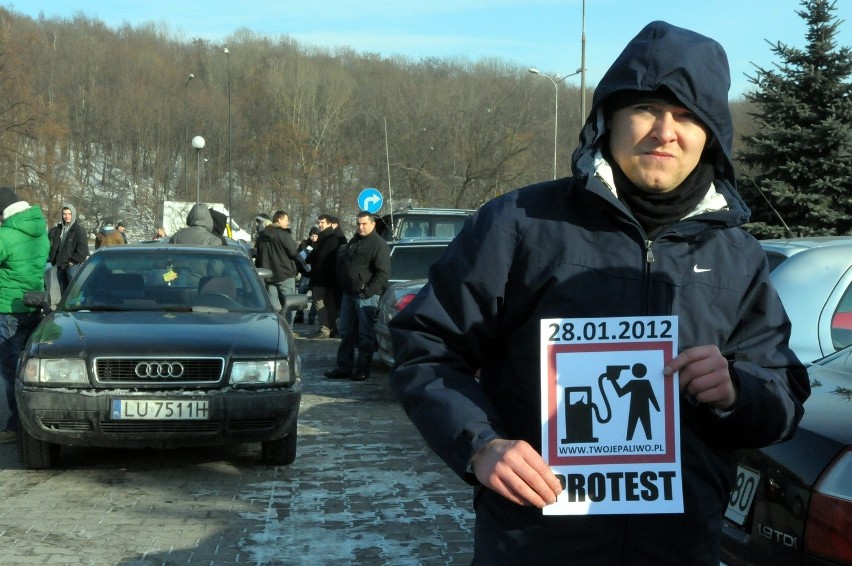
<point>141,428</point>
<point>142,372</point>
<point>153,427</point>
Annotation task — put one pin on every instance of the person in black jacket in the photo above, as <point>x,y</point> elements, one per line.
<point>69,246</point>
<point>490,354</point>
<point>323,262</point>
<point>277,251</point>
<point>363,277</point>
<point>306,246</point>
<point>342,240</point>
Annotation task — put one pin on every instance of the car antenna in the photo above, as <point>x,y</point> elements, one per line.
<point>787,228</point>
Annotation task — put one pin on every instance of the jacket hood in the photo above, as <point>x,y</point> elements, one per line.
<point>199,215</point>
<point>692,67</point>
<point>73,210</point>
<point>265,235</point>
<point>220,221</point>
<point>30,222</point>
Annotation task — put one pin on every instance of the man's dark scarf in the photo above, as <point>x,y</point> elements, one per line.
<point>655,211</point>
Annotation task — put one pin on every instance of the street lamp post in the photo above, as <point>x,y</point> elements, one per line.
<point>198,144</point>
<point>230,179</point>
<point>186,135</point>
<point>555,80</point>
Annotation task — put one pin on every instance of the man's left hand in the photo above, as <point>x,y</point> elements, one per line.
<point>705,376</point>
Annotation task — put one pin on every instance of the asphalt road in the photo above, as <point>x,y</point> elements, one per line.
<point>364,489</point>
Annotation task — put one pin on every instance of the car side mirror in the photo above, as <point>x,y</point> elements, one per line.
<point>37,300</point>
<point>265,273</point>
<point>295,302</point>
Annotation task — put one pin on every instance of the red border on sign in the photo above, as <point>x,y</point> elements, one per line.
<point>553,450</point>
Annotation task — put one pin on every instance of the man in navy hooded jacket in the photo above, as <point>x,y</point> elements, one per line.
<point>648,225</point>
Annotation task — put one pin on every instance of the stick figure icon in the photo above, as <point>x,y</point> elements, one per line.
<point>641,398</point>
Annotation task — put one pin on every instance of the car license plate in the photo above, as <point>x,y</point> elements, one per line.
<point>742,496</point>
<point>145,409</point>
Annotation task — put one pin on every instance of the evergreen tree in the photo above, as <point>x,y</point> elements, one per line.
<point>801,154</point>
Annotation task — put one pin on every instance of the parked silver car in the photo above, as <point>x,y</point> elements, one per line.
<point>813,277</point>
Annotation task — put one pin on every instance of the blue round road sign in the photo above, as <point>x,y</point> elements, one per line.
<point>370,200</point>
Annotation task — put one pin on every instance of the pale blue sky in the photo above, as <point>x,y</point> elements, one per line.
<point>530,33</point>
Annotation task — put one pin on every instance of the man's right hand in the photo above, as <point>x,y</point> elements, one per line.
<point>516,471</point>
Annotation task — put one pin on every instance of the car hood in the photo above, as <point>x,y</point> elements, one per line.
<point>89,334</point>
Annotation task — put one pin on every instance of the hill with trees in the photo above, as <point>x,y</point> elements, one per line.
<point>103,118</point>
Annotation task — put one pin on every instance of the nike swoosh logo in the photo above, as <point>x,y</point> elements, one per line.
<point>697,269</point>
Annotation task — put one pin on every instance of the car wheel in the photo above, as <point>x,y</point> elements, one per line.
<point>36,454</point>
<point>281,451</point>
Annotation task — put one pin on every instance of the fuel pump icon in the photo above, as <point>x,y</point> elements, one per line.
<point>580,410</point>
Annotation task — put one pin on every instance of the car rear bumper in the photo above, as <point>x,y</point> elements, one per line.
<point>84,417</point>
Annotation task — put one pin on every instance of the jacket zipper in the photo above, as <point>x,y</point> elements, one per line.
<point>649,253</point>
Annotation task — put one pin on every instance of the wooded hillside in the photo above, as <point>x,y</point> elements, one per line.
<point>103,118</point>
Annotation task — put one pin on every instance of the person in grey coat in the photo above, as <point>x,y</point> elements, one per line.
<point>198,231</point>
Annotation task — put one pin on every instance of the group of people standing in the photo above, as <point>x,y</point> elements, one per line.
<point>354,276</point>
<point>346,277</point>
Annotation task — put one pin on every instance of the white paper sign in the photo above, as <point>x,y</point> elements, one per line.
<point>609,418</point>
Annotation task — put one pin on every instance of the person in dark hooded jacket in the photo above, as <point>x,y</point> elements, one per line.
<point>69,246</point>
<point>199,229</point>
<point>647,226</point>
<point>220,223</point>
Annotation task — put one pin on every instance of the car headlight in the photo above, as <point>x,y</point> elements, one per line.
<point>64,371</point>
<point>260,372</point>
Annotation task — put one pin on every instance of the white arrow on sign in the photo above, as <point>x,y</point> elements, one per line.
<point>370,200</point>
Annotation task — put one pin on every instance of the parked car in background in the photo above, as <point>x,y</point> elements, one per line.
<point>411,258</point>
<point>792,502</point>
<point>160,345</point>
<point>393,300</point>
<point>412,222</point>
<point>813,277</point>
<point>410,263</point>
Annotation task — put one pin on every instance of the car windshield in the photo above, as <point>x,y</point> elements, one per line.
<point>188,280</point>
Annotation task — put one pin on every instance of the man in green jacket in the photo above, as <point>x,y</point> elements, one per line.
<point>23,256</point>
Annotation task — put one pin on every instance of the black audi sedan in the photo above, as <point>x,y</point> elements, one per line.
<point>160,346</point>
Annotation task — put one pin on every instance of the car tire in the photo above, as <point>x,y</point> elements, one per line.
<point>281,451</point>
<point>36,454</point>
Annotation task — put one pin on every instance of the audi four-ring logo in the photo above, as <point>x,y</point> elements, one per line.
<point>159,369</point>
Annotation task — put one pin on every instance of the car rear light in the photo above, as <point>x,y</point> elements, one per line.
<point>403,301</point>
<point>829,519</point>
